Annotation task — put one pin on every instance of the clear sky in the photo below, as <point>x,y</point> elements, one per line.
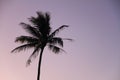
<point>93,55</point>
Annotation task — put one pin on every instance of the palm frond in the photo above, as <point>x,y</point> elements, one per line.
<point>23,47</point>
<point>55,49</point>
<point>31,30</point>
<point>57,30</point>
<point>33,55</point>
<point>37,20</point>
<point>41,22</point>
<point>67,39</point>
<point>56,40</point>
<point>27,39</point>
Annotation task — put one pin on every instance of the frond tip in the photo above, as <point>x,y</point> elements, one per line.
<point>57,30</point>
<point>68,39</point>
<point>28,62</point>
<point>23,47</point>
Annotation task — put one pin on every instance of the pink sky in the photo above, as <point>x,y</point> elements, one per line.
<point>94,26</point>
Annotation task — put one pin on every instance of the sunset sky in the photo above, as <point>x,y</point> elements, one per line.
<point>93,55</point>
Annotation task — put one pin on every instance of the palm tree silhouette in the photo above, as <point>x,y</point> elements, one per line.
<point>40,37</point>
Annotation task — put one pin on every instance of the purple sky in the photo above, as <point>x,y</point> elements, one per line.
<point>93,55</point>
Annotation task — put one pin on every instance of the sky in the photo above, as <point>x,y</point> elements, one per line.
<point>93,55</point>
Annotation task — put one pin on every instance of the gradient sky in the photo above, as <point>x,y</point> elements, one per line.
<point>93,55</point>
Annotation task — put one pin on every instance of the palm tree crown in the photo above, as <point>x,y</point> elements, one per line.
<point>40,37</point>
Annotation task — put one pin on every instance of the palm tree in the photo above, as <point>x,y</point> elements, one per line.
<point>40,36</point>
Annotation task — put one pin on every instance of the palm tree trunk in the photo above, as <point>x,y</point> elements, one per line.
<point>39,64</point>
